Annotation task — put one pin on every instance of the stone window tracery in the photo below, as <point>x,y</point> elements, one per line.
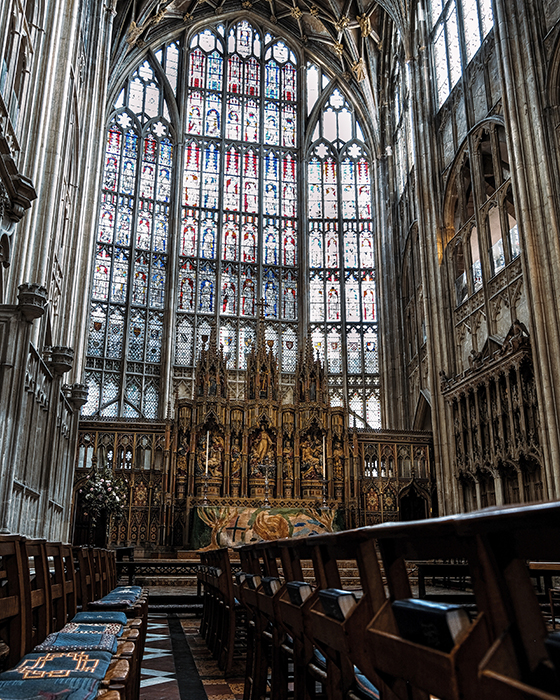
<point>343,311</point>
<point>239,234</point>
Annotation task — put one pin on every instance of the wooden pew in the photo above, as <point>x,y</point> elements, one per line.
<point>13,611</point>
<point>503,542</point>
<point>292,617</point>
<point>274,634</point>
<point>257,646</point>
<point>37,592</point>
<point>26,612</point>
<point>342,641</point>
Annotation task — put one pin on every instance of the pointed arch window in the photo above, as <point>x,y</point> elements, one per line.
<point>481,212</point>
<point>195,234</point>
<point>458,28</point>
<point>131,263</point>
<point>343,307</point>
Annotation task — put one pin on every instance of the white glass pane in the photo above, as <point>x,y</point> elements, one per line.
<point>454,55</point>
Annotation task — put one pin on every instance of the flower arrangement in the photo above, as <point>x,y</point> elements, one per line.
<point>103,491</point>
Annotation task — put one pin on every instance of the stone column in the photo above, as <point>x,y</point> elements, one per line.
<point>523,73</point>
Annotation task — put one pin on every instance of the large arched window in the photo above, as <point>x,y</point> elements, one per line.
<point>341,259</point>
<point>198,234</point>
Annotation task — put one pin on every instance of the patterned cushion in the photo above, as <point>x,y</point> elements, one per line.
<point>51,689</point>
<point>128,589</point>
<point>112,603</point>
<point>102,616</point>
<point>100,628</point>
<point>72,641</point>
<point>78,664</point>
<point>364,687</point>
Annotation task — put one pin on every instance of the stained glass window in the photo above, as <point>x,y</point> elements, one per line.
<point>130,270</point>
<point>486,238</point>
<point>341,256</point>
<point>239,214</point>
<point>236,231</point>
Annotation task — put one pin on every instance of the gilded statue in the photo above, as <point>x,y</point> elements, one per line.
<point>235,459</point>
<point>262,446</point>
<point>215,455</point>
<point>311,459</point>
<point>338,461</point>
<point>288,459</point>
<point>215,451</point>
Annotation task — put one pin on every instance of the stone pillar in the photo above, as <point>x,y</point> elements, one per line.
<point>523,73</point>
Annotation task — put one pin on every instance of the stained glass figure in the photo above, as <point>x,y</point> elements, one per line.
<point>271,245</point>
<point>271,123</point>
<point>270,294</point>
<point>289,245</point>
<point>333,302</point>
<point>248,241</point>
<point>247,293</point>
<point>187,274</point>
<point>206,296</point>
<point>289,296</point>
<point>231,238</point>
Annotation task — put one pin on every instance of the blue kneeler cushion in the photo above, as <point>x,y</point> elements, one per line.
<point>50,689</point>
<point>71,641</point>
<point>105,616</point>
<point>78,664</point>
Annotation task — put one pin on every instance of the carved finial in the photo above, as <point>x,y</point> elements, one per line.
<point>213,345</point>
<point>260,323</point>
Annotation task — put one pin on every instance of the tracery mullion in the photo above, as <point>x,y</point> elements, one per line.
<point>342,268</point>
<point>126,305</point>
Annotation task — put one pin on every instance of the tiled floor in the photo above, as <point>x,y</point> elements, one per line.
<point>215,685</point>
<point>160,679</point>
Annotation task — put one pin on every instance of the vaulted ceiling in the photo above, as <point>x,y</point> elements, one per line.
<point>347,35</point>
